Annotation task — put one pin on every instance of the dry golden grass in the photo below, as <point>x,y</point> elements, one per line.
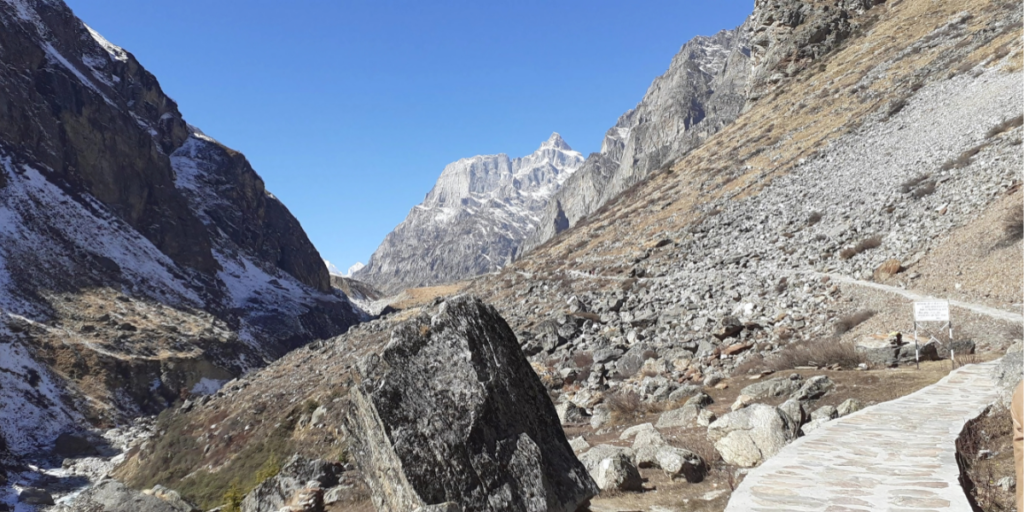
<point>416,297</point>
<point>787,125</point>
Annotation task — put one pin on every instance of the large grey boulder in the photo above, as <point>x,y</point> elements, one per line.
<point>300,481</point>
<point>814,388</point>
<point>684,416</point>
<point>681,462</point>
<point>113,496</point>
<point>450,411</point>
<point>751,435</point>
<point>618,473</point>
<point>778,386</point>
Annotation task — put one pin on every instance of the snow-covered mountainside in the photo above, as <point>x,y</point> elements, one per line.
<point>702,91</point>
<point>473,220</point>
<point>139,258</point>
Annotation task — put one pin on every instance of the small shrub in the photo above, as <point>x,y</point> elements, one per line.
<point>813,218</point>
<point>895,107</point>
<point>233,497</point>
<point>847,323</point>
<point>1013,224</point>
<point>624,405</point>
<point>1005,126</point>
<point>925,189</point>
<point>910,184</point>
<point>823,352</point>
<point>863,245</point>
<point>781,285</point>
<point>583,359</point>
<point>963,160</point>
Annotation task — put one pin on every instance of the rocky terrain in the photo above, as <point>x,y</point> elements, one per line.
<point>139,258</point>
<point>473,221</point>
<point>688,329</point>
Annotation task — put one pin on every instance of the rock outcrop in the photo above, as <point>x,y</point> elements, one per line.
<point>451,412</point>
<point>751,435</point>
<point>788,35</point>
<point>139,258</point>
<point>300,484</point>
<point>473,221</point>
<point>702,91</point>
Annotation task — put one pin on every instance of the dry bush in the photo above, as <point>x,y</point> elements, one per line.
<point>909,185</point>
<point>813,218</point>
<point>847,323</point>
<point>895,107</point>
<point>624,405</point>
<point>925,189</point>
<point>781,285</point>
<point>822,352</point>
<point>1013,224</point>
<point>864,245</point>
<point>964,159</point>
<point>1006,125</point>
<point>583,359</point>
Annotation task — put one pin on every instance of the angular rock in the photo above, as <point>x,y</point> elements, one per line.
<point>700,400</point>
<point>685,416</point>
<point>35,496</point>
<point>439,417</point>
<point>593,457</point>
<point>570,414</point>
<point>825,412</point>
<point>579,444</point>
<point>617,473</point>
<point>300,481</point>
<point>113,496</point>
<point>778,386</point>
<point>646,446</point>
<point>751,435</point>
<point>849,406</point>
<point>814,388</point>
<point>635,430</point>
<point>678,461</point>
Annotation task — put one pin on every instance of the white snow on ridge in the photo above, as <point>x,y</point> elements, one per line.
<point>332,269</point>
<point>29,199</point>
<point>116,52</point>
<point>32,413</point>
<point>354,268</point>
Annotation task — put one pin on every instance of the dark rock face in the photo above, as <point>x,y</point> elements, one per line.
<point>451,412</point>
<point>300,480</point>
<point>146,257</point>
<point>702,91</point>
<point>788,35</point>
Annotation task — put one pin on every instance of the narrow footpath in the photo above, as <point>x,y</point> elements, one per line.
<point>894,456</point>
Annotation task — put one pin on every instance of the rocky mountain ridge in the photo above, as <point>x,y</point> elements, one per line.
<point>473,220</point>
<point>702,91</point>
<point>139,258</point>
<point>890,165</point>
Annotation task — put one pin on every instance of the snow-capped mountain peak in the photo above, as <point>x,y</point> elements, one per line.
<point>474,219</point>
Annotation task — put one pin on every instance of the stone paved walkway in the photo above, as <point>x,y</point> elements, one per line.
<point>895,456</point>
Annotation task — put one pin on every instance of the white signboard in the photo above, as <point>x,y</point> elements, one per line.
<point>931,311</point>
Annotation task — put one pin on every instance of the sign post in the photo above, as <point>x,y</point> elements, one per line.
<point>932,311</point>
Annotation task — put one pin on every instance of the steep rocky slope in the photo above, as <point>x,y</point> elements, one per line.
<point>907,129</point>
<point>139,258</point>
<point>474,219</point>
<point>702,91</point>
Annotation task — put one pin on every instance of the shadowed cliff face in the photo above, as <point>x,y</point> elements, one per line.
<point>139,258</point>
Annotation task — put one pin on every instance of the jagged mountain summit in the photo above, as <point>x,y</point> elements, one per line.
<point>474,219</point>
<point>139,258</point>
<point>702,91</point>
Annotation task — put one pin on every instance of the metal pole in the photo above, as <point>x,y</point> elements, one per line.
<point>917,348</point>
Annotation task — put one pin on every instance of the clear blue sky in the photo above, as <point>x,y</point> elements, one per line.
<point>349,110</point>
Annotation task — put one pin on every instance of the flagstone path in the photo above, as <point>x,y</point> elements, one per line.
<point>896,456</point>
